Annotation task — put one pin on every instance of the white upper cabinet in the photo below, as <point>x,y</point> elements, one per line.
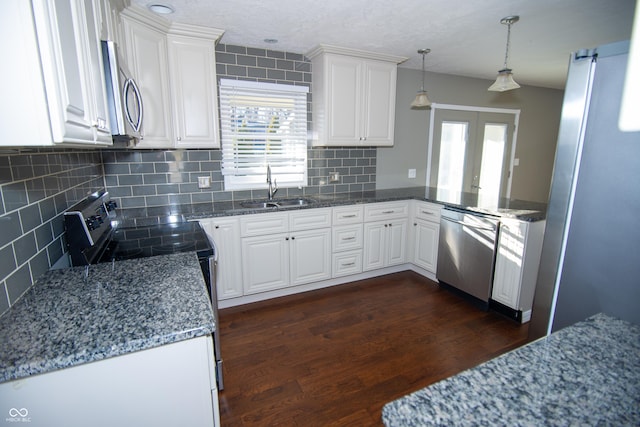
<point>55,90</point>
<point>192,68</point>
<point>145,41</point>
<point>174,65</point>
<point>354,96</point>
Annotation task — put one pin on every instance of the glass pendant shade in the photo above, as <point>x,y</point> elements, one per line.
<point>504,82</point>
<point>421,100</point>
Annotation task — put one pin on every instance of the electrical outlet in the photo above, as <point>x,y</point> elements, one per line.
<point>204,182</point>
<point>334,176</point>
<point>412,173</point>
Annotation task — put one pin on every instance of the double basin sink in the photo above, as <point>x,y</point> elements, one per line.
<point>276,203</point>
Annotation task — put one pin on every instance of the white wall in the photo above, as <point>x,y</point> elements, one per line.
<point>536,145</point>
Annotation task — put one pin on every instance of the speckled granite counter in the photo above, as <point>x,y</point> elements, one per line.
<point>66,319</point>
<point>523,210</point>
<point>587,374</point>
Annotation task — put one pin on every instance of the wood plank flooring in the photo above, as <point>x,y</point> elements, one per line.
<point>335,356</point>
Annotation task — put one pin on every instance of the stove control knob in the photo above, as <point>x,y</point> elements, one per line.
<point>111,205</point>
<point>92,222</point>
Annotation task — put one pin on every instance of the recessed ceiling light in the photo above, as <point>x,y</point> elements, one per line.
<point>160,9</point>
<point>271,41</point>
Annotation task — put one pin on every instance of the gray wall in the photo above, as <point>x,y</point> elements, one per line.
<point>539,121</point>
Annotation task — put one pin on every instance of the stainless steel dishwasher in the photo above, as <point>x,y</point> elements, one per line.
<point>466,252</point>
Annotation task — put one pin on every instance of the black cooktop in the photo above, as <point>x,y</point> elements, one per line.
<point>152,240</point>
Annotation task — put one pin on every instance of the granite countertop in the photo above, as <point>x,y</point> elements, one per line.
<point>519,209</point>
<point>585,374</point>
<point>67,319</point>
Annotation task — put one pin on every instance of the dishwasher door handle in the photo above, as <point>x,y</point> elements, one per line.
<point>477,227</point>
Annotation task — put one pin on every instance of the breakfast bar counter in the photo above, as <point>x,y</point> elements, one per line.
<point>585,374</point>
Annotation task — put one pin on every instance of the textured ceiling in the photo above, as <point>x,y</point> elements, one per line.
<point>465,36</point>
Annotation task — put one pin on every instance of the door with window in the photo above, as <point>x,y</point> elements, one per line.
<point>471,153</point>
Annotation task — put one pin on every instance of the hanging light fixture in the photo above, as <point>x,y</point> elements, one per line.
<point>505,81</point>
<point>421,100</point>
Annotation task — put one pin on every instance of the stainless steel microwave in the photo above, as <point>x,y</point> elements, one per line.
<point>123,97</point>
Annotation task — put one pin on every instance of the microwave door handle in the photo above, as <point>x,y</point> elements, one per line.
<point>136,126</point>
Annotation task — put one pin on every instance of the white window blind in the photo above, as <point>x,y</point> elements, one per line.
<point>263,124</point>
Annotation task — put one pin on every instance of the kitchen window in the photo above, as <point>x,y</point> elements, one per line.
<point>263,124</point>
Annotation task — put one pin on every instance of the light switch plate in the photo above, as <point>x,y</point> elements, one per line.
<point>412,173</point>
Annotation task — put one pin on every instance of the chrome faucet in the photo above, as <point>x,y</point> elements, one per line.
<point>273,187</point>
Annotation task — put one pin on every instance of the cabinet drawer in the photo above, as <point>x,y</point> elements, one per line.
<point>386,210</point>
<point>427,211</point>
<point>347,237</point>
<point>351,214</point>
<point>309,219</point>
<point>260,224</point>
<point>345,263</point>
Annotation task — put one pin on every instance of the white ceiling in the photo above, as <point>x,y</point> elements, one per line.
<point>465,36</point>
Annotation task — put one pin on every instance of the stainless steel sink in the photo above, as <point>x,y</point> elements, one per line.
<point>274,204</point>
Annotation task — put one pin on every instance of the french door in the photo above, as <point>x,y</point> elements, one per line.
<point>470,153</point>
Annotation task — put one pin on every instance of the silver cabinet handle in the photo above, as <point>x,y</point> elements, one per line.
<point>348,238</point>
<point>388,212</point>
<point>348,216</point>
<point>348,264</point>
<point>427,213</point>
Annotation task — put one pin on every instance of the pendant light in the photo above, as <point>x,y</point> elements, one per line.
<point>421,100</point>
<point>505,81</point>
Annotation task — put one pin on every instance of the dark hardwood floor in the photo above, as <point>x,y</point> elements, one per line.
<point>337,355</point>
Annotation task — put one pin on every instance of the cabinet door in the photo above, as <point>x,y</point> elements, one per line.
<point>344,100</point>
<point>95,69</point>
<point>265,263</point>
<point>310,256</point>
<point>374,245</point>
<point>66,33</point>
<point>379,103</point>
<point>508,269</point>
<point>226,234</point>
<point>193,91</point>
<point>425,250</point>
<point>147,56</point>
<point>395,242</point>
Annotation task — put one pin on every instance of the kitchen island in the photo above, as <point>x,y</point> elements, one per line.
<point>122,343</point>
<point>585,374</point>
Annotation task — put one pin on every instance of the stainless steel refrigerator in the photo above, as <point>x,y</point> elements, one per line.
<point>591,252</point>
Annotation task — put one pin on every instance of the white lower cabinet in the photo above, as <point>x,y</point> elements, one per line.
<point>347,240</point>
<point>384,244</point>
<point>425,249</point>
<point>285,249</point>
<point>425,235</point>
<point>517,261</point>
<point>310,256</point>
<point>225,231</point>
<point>385,234</point>
<point>170,385</point>
<point>265,262</point>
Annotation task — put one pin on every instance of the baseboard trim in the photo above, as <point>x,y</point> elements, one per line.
<point>248,299</point>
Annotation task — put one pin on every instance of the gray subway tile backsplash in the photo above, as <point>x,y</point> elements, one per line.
<point>36,186</point>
